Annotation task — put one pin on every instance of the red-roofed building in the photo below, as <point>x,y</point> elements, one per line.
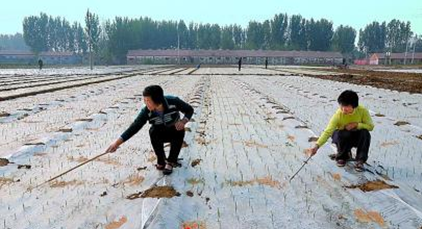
<point>232,57</point>
<point>396,58</point>
<point>25,57</point>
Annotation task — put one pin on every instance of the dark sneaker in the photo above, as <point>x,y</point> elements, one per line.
<point>168,169</point>
<point>335,156</point>
<point>174,164</point>
<point>359,166</point>
<point>332,156</point>
<point>159,167</point>
<point>341,163</point>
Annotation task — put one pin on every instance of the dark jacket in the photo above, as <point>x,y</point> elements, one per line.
<point>172,106</point>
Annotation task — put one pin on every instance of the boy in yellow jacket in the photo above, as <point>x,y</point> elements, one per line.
<point>349,127</point>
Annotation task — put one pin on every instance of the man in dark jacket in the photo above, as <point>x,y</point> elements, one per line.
<point>40,64</point>
<point>239,63</point>
<point>162,112</point>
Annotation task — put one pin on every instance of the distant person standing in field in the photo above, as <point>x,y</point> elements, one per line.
<point>240,63</point>
<point>349,127</point>
<point>162,112</point>
<point>40,64</point>
<point>266,63</point>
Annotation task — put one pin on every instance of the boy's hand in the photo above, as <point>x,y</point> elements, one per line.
<point>314,150</point>
<point>351,126</point>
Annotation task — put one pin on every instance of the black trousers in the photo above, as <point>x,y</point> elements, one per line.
<point>345,140</point>
<point>162,134</point>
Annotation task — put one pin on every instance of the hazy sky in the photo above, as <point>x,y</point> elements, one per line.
<point>356,13</point>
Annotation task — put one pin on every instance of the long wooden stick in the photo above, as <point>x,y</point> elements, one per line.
<point>303,165</point>
<point>81,164</point>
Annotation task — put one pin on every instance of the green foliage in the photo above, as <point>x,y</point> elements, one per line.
<point>112,39</point>
<point>344,39</point>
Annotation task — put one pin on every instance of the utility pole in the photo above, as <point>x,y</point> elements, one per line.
<point>414,40</point>
<point>178,44</point>
<point>407,47</point>
<point>88,15</point>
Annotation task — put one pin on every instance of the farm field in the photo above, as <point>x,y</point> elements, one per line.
<point>248,136</point>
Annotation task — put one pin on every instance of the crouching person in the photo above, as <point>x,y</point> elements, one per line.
<point>349,127</point>
<point>162,112</point>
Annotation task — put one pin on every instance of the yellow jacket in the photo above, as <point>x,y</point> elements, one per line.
<point>340,120</point>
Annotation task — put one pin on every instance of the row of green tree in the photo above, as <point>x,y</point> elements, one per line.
<point>112,39</point>
<point>13,42</point>
<point>394,36</point>
<point>45,33</point>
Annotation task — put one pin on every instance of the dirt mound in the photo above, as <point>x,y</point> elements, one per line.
<point>116,224</point>
<point>24,166</point>
<point>196,162</point>
<point>370,216</point>
<point>372,186</point>
<point>400,81</point>
<point>401,123</point>
<point>155,192</point>
<point>160,192</point>
<point>4,114</point>
<point>194,225</point>
<point>189,193</point>
<point>313,139</point>
<point>4,162</point>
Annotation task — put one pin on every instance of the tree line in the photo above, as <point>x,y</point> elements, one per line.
<point>112,39</point>
<point>13,42</point>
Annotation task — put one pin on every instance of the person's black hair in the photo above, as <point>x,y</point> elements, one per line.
<point>155,92</point>
<point>347,98</point>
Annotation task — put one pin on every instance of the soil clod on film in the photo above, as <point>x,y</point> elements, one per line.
<point>4,162</point>
<point>196,162</point>
<point>24,166</point>
<point>401,123</point>
<point>372,186</point>
<point>313,139</point>
<point>156,192</point>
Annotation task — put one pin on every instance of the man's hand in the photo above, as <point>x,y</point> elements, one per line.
<point>351,126</point>
<point>180,125</point>
<point>114,146</point>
